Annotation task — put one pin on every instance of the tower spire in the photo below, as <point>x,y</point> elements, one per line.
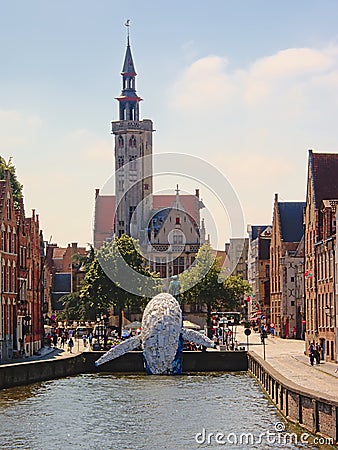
<point>129,100</point>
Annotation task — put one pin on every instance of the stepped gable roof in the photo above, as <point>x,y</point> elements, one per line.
<point>291,220</point>
<point>324,168</point>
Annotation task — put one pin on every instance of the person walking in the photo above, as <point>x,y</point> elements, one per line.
<point>63,340</point>
<point>90,339</point>
<point>70,344</point>
<point>311,353</point>
<point>317,353</point>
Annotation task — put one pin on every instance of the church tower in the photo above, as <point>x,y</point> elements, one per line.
<point>133,156</point>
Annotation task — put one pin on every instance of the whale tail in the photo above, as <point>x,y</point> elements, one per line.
<point>197,338</point>
<point>119,350</point>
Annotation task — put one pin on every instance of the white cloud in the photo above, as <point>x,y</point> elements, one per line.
<point>17,128</point>
<point>209,82</point>
<point>206,81</point>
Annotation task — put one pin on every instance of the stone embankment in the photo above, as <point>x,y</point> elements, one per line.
<point>306,395</point>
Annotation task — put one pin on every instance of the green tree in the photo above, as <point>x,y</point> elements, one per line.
<point>203,284</point>
<point>16,186</point>
<point>104,285</point>
<point>236,289</point>
<point>84,261</point>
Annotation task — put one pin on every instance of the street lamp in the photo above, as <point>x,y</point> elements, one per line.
<point>100,330</point>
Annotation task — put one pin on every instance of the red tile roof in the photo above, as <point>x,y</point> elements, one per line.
<point>105,211</point>
<point>189,202</point>
<point>324,167</point>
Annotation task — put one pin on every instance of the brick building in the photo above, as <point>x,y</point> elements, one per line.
<point>320,253</point>
<point>21,258</point>
<point>285,259</point>
<point>62,274</point>
<point>259,271</point>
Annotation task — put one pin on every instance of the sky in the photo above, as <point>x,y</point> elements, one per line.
<point>245,86</point>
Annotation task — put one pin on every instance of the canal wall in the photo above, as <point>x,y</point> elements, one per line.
<point>34,371</point>
<point>302,406</point>
<point>18,374</point>
<point>211,361</point>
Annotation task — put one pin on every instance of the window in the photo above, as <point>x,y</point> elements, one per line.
<point>132,162</point>
<point>120,161</point>
<point>13,242</point>
<point>8,209</point>
<point>178,239</point>
<point>120,141</point>
<point>3,276</point>
<point>267,271</point>
<point>178,220</point>
<point>13,280</point>
<point>292,279</point>
<point>132,141</point>
<point>178,265</point>
<point>9,279</point>
<point>161,267</point>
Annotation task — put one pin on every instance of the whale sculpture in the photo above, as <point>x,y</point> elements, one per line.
<point>162,337</point>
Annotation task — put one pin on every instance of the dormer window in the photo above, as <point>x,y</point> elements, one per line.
<point>178,220</point>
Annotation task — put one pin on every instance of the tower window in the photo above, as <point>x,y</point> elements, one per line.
<point>120,161</point>
<point>120,141</point>
<point>132,160</point>
<point>132,141</point>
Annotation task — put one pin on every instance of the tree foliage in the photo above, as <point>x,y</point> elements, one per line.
<point>102,290</point>
<point>15,184</point>
<point>203,284</point>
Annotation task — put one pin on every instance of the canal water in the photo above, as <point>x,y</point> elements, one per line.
<point>113,412</point>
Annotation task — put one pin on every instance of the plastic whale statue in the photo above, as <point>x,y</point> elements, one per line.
<point>162,337</point>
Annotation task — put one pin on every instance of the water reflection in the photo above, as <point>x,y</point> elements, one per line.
<point>109,411</point>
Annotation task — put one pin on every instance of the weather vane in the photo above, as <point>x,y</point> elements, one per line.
<point>127,24</point>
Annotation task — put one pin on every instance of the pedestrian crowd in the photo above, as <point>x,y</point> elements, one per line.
<point>59,338</point>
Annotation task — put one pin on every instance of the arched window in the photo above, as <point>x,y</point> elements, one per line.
<point>120,141</point>
<point>132,141</point>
